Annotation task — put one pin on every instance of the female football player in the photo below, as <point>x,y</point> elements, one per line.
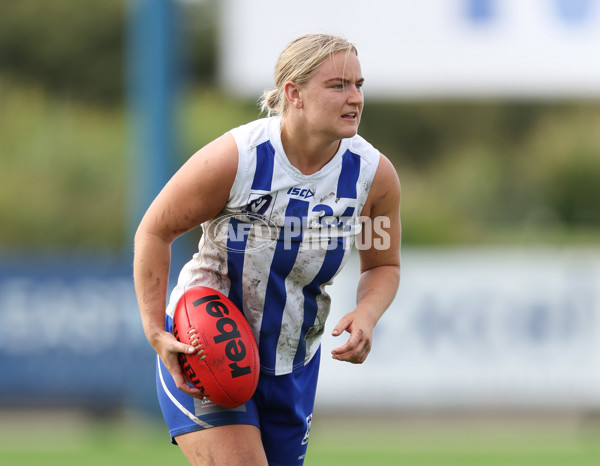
<point>303,185</point>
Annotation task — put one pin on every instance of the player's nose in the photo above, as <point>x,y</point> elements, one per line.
<point>354,95</point>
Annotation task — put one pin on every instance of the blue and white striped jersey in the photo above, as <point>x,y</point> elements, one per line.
<point>282,237</point>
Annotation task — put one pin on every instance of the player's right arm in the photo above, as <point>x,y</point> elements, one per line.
<point>196,193</point>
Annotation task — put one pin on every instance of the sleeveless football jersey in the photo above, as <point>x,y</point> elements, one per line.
<point>282,237</point>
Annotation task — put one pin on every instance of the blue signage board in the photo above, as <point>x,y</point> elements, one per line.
<point>70,334</point>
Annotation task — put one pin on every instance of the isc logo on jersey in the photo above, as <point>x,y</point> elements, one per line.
<point>301,192</point>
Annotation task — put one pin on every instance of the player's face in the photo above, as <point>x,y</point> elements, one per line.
<point>333,98</point>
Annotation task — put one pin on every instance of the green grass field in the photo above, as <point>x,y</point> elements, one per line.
<point>395,440</point>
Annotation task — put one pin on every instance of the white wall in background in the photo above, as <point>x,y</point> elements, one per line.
<point>508,328</point>
<point>429,48</point>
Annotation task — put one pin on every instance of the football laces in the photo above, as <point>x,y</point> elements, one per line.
<point>194,341</point>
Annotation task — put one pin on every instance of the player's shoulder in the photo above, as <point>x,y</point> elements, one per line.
<point>386,182</point>
<point>361,146</point>
<point>253,133</point>
<point>387,170</point>
<point>366,151</point>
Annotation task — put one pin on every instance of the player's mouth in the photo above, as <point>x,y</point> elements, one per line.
<point>350,116</point>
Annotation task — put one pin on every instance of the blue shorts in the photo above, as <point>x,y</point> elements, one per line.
<point>281,408</point>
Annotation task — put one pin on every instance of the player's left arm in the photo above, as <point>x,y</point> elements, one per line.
<point>379,255</point>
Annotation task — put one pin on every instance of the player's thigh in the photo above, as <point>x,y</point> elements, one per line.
<point>233,445</point>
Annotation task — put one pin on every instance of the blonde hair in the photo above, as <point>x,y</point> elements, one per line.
<point>298,62</point>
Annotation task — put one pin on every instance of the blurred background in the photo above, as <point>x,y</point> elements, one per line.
<point>490,111</point>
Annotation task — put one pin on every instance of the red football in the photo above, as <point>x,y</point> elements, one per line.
<point>226,365</point>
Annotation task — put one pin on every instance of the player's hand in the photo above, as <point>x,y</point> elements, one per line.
<point>168,347</point>
<point>358,346</point>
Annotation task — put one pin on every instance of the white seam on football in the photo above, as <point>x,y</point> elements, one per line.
<point>182,408</point>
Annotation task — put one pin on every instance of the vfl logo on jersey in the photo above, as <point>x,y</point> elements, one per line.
<point>301,192</point>
<point>246,230</point>
<point>259,205</point>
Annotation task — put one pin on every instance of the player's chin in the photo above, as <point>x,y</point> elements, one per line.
<point>348,131</point>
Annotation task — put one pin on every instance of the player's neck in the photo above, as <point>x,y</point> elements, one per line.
<point>306,152</point>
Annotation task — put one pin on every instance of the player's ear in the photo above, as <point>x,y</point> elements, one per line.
<point>293,94</point>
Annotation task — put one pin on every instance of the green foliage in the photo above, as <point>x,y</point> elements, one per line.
<point>507,171</point>
<point>70,47</point>
<point>199,33</point>
<point>471,171</point>
<point>65,167</point>
<point>62,176</point>
<point>77,48</point>
<point>423,132</point>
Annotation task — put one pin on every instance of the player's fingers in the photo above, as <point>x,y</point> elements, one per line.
<point>351,344</point>
<point>351,356</point>
<point>341,325</point>
<point>189,390</point>
<point>181,383</point>
<point>354,351</point>
<point>354,357</point>
<point>182,348</point>
<point>171,362</point>
<point>175,346</point>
